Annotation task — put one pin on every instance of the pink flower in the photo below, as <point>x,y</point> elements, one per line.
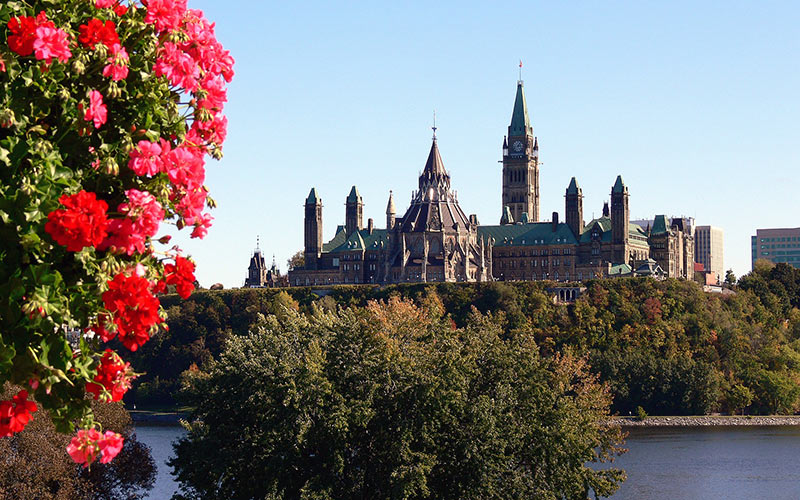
<point>165,14</point>
<point>88,443</point>
<point>201,226</point>
<point>51,43</point>
<point>178,66</point>
<point>104,4</point>
<point>185,167</point>
<point>110,446</point>
<point>146,158</point>
<point>143,216</point>
<point>118,69</point>
<point>97,111</point>
<point>84,447</point>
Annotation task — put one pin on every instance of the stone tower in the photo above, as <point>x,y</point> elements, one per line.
<point>521,163</point>
<point>620,220</point>
<point>574,207</point>
<point>313,235</point>
<point>390,213</point>
<point>354,212</point>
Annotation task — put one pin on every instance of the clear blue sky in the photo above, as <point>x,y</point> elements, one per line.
<point>696,104</point>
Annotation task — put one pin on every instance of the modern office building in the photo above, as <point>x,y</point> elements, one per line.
<point>777,245</point>
<point>708,249</point>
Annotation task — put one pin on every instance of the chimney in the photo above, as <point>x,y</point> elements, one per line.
<point>370,225</point>
<point>555,221</point>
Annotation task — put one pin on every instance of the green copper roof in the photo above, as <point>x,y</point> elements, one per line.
<point>619,186</point>
<point>520,123</point>
<point>533,233</point>
<point>619,269</point>
<point>524,218</point>
<point>603,226</point>
<point>312,197</point>
<point>573,186</point>
<point>358,240</point>
<point>659,225</point>
<point>354,197</point>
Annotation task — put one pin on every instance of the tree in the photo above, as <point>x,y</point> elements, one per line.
<point>730,278</point>
<point>35,464</point>
<point>739,398</point>
<point>297,260</point>
<point>386,402</point>
<point>107,113</point>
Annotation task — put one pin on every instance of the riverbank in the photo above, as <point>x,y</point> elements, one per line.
<point>709,420</point>
<point>155,417</point>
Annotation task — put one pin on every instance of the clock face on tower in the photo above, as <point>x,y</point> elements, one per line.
<point>517,146</point>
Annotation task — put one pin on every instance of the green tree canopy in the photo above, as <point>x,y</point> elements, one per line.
<point>388,401</point>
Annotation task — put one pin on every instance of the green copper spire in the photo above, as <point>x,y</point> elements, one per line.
<point>619,186</point>
<point>354,196</point>
<point>312,197</point>
<point>520,123</point>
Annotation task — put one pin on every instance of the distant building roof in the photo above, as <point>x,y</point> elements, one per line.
<point>533,233</point>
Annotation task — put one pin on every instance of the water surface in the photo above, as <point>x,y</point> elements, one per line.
<point>711,463</point>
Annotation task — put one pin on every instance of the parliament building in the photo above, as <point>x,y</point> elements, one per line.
<point>434,240</point>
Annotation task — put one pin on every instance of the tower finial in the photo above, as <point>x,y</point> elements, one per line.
<point>520,70</point>
<point>258,241</point>
<point>434,125</point>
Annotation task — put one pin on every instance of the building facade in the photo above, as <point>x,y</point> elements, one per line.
<point>435,240</point>
<point>709,248</point>
<point>777,245</point>
<point>261,276</point>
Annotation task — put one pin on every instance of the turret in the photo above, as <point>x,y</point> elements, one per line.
<point>521,163</point>
<point>390,213</point>
<point>574,207</point>
<point>620,212</point>
<point>354,212</point>
<point>313,229</point>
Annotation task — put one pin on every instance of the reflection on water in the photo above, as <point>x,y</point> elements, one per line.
<point>160,438</point>
<point>711,462</point>
<point>687,463</point>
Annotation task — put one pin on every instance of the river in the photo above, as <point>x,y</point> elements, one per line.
<point>684,463</point>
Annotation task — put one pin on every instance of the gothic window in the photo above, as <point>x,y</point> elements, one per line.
<point>533,263</point>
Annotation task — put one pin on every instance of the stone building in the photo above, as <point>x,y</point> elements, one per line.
<point>435,240</point>
<point>261,276</point>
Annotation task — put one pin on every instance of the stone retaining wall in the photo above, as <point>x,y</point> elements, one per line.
<point>706,420</point>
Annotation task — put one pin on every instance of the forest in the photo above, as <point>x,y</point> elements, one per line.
<point>665,346</point>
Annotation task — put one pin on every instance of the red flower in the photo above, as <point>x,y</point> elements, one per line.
<point>114,375</point>
<point>15,414</point>
<point>24,32</point>
<point>97,31</point>
<point>180,274</point>
<point>133,307</point>
<point>81,224</point>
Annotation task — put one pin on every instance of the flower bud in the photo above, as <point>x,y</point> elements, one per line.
<point>78,67</point>
<point>110,166</point>
<point>7,117</point>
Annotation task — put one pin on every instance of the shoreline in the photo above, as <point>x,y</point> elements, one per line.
<point>156,417</point>
<point>708,421</point>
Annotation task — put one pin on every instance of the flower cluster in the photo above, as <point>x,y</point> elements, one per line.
<point>89,443</point>
<point>133,308</point>
<point>180,274</point>
<point>111,110</point>
<point>15,414</point>
<point>39,36</point>
<point>113,379</point>
<point>81,223</point>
